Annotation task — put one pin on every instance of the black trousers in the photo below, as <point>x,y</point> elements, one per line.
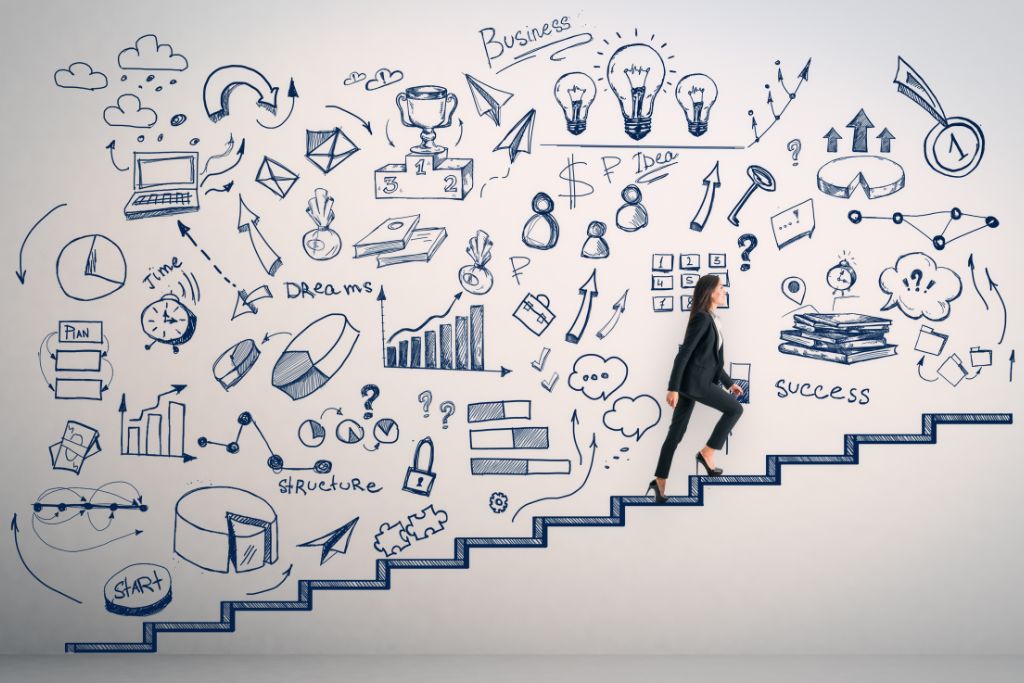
<point>719,400</point>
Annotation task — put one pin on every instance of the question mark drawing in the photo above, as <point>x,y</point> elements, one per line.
<point>425,398</point>
<point>751,244</point>
<point>447,409</point>
<point>794,146</point>
<point>917,276</point>
<point>373,391</point>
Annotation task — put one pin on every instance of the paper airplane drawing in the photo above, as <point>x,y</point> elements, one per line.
<point>520,137</point>
<point>329,542</point>
<point>488,99</point>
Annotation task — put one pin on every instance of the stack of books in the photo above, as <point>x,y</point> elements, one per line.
<point>837,337</point>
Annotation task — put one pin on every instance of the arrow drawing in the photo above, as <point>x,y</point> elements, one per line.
<point>147,450</point>
<point>995,288</point>
<point>222,81</point>
<point>593,451</point>
<point>970,264</point>
<point>238,160</point>
<point>226,188</point>
<point>860,124</point>
<point>886,137</point>
<point>21,251</point>
<point>366,124</point>
<point>111,146</point>
<point>920,364</point>
<point>619,307</point>
<point>776,116</point>
<point>284,577</point>
<point>175,389</point>
<point>187,233</point>
<point>17,547</point>
<point>833,138</point>
<point>293,94</point>
<point>227,150</point>
<point>711,184</point>
<point>588,290</point>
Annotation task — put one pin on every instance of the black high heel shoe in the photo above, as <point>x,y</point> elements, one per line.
<point>701,461</point>
<point>657,492</point>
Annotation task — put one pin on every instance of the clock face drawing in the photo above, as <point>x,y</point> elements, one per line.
<point>841,276</point>
<point>168,321</point>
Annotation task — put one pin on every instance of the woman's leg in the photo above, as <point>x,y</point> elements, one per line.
<point>676,428</point>
<point>731,410</point>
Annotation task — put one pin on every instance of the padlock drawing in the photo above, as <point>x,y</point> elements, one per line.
<point>418,479</point>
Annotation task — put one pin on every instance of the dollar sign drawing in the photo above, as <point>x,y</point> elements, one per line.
<point>568,174</point>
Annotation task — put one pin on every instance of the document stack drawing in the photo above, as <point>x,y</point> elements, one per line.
<point>837,337</point>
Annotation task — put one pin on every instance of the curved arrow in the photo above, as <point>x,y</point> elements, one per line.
<point>593,450</point>
<point>21,271</point>
<point>222,82</point>
<point>337,411</point>
<point>292,95</point>
<point>270,335</point>
<point>284,577</point>
<point>920,364</point>
<point>366,124</point>
<point>81,550</point>
<point>227,150</point>
<point>993,286</point>
<point>970,264</point>
<point>238,160</point>
<point>111,147</point>
<point>226,188</point>
<point>14,528</point>
<point>424,323</point>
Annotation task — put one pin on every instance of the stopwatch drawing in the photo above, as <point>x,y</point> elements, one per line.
<point>168,321</point>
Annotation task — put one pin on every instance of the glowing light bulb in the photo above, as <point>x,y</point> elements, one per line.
<point>574,93</point>
<point>697,94</point>
<point>636,73</point>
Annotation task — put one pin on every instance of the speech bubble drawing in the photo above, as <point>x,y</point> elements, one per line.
<point>598,377</point>
<point>920,287</point>
<point>632,416</point>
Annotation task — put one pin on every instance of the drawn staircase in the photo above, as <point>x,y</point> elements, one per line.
<point>539,539</point>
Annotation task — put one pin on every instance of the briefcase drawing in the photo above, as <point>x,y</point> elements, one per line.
<point>534,313</point>
<point>418,479</point>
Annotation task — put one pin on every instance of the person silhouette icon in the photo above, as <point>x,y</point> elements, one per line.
<point>632,215</point>
<point>595,245</point>
<point>541,230</point>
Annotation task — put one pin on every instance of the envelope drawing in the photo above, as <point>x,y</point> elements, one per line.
<point>276,177</point>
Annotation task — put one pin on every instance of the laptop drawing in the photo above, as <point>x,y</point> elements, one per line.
<point>164,183</point>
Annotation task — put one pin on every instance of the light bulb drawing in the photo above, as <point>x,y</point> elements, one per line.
<point>636,73</point>
<point>696,94</point>
<point>574,93</point>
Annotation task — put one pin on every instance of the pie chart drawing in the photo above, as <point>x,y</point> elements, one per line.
<point>90,267</point>
<point>221,528</point>
<point>314,355</point>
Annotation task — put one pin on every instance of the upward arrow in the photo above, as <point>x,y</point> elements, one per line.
<point>860,124</point>
<point>886,137</point>
<point>833,137</point>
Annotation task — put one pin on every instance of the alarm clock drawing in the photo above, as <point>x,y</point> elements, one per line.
<point>841,277</point>
<point>168,321</point>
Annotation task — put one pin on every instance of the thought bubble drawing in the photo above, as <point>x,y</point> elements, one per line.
<point>632,416</point>
<point>130,113</point>
<point>598,377</point>
<point>920,287</point>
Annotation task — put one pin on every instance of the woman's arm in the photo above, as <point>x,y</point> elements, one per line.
<point>694,331</point>
<point>724,379</point>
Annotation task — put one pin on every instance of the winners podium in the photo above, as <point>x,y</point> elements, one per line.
<point>427,172</point>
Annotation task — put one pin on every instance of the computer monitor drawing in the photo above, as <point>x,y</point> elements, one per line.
<point>164,183</point>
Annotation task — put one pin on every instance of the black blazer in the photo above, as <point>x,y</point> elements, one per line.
<point>699,364</point>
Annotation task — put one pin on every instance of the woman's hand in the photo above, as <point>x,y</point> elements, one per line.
<point>672,398</point>
<point>736,390</point>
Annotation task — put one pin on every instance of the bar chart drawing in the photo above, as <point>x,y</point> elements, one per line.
<point>456,343</point>
<point>158,431</point>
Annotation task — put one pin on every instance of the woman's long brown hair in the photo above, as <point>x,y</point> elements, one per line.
<point>702,294</point>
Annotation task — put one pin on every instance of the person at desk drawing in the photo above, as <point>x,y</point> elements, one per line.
<point>698,369</point>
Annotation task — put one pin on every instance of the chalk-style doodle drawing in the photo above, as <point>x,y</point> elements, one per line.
<point>794,146</point>
<point>760,179</point>
<point>740,373</point>
<point>790,97</point>
<point>711,184</point>
<point>539,364</point>
<point>519,138</point>
<point>632,215</point>
<point>427,172</point>
<point>490,411</point>
<point>75,519</point>
<point>930,341</point>
<point>568,174</point>
<point>920,286</point>
<point>420,475</point>
<point>276,177</point>
<point>235,363</point>
<point>382,78</point>
<point>156,433</point>
<point>245,302</point>
<point>535,313</point>
<point>425,397</point>
<point>791,224</point>
<point>519,264</point>
<point>322,243</point>
<point>696,94</point>
<point>20,273</point>
<point>426,523</point>
<point>618,308</point>
<point>860,124</point>
<point>420,243</point>
<point>149,54</point>
<point>178,119</point>
<point>90,267</point>
<point>79,441</point>
<point>747,242</point>
<point>385,431</point>
<point>939,240</point>
<point>393,234</point>
<point>519,466</point>
<point>334,542</point>
<point>207,174</point>
<point>632,416</point>
<point>498,502</point>
<point>877,176</point>
<point>354,77</point>
<point>595,246</point>
<point>17,547</point>
<point>314,355</point>
<point>225,528</point>
<point>597,377</point>
<point>79,76</point>
<point>487,99</point>
<point>575,92</point>
<point>365,124</point>
<point>128,112</point>
<point>311,433</point>
<point>837,337</point>
<point>886,138</point>
<point>475,278</point>
<point>541,230</point>
<point>952,370</point>
<point>138,590</point>
<point>293,95</point>
<point>168,321</point>
<point>841,277</point>
<point>588,290</point>
<point>833,137</point>
<point>955,145</point>
<point>274,461</point>
<point>223,80</point>
<point>349,432</point>
<point>636,74</point>
<point>794,289</point>
<point>370,392</point>
<point>163,184</point>
<point>326,149</point>
<point>249,223</point>
<point>549,384</point>
<point>391,539</point>
<point>509,438</point>
<point>73,360</point>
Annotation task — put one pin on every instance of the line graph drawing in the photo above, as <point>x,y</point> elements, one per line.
<point>938,239</point>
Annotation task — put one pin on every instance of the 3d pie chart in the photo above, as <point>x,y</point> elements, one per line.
<point>877,176</point>
<point>90,267</point>
<point>220,528</point>
<point>314,355</point>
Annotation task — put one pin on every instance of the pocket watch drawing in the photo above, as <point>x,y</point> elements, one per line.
<point>168,321</point>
